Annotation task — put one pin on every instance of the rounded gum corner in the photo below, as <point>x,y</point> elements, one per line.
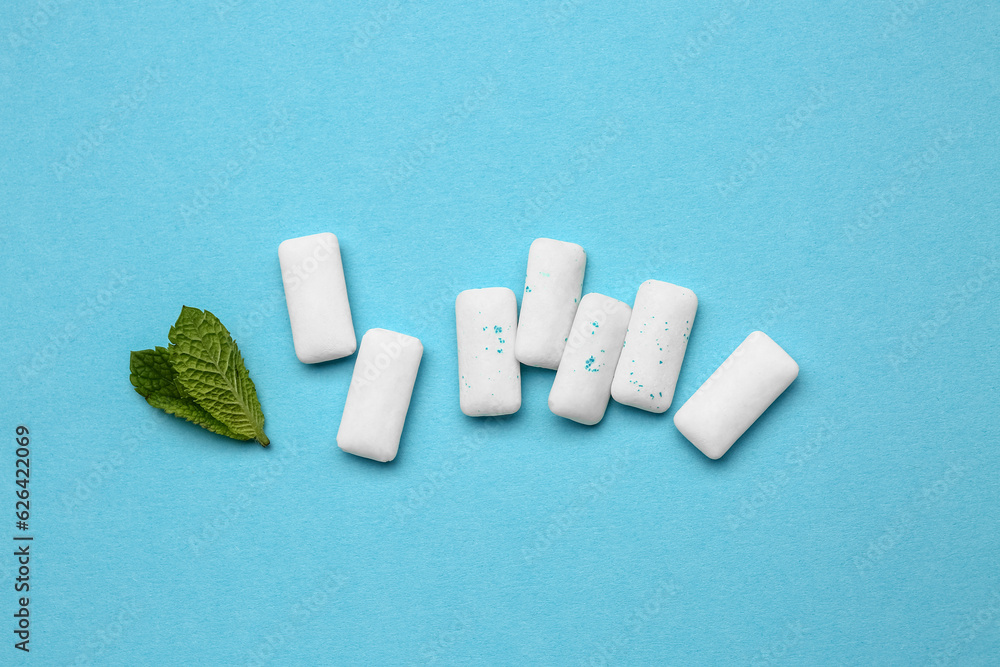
<point>714,456</point>
<point>365,334</point>
<point>679,425</point>
<point>545,239</point>
<point>539,241</point>
<point>284,248</point>
<point>305,358</point>
<point>325,234</point>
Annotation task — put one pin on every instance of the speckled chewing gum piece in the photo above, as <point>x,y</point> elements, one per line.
<point>316,294</point>
<point>552,289</point>
<point>582,387</point>
<point>657,338</point>
<point>736,394</point>
<point>379,395</point>
<point>489,374</point>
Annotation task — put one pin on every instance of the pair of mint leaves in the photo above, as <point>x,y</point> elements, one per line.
<point>201,378</point>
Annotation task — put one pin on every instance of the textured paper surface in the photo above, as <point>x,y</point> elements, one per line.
<point>855,523</point>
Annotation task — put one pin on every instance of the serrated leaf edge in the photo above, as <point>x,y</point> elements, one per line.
<point>259,434</point>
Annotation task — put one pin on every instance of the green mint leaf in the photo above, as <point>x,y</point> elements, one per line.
<point>155,380</point>
<point>210,370</point>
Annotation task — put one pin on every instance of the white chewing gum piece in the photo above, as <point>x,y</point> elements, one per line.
<point>582,387</point>
<point>655,343</point>
<point>552,289</point>
<point>316,294</point>
<point>489,374</point>
<point>379,395</point>
<point>736,394</point>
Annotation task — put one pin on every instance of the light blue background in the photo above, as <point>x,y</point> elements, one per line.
<point>856,523</point>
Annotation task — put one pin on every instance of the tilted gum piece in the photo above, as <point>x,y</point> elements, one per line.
<point>316,294</point>
<point>582,387</point>
<point>736,394</point>
<point>657,338</point>
<point>489,374</point>
<point>379,395</point>
<point>552,289</point>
